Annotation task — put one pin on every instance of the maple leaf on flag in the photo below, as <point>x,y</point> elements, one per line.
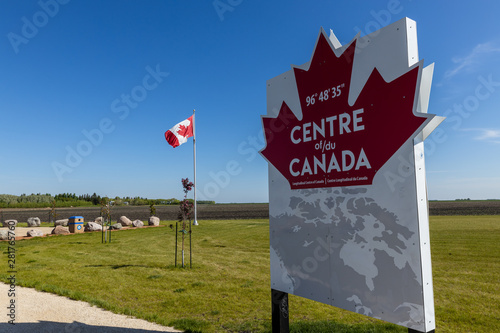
<point>179,134</point>
<point>337,144</point>
<point>185,131</point>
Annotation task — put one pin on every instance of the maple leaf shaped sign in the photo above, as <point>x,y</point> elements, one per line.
<point>336,144</point>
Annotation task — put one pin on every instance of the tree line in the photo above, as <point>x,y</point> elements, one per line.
<point>72,200</point>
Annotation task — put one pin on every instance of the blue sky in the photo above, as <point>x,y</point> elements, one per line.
<point>106,79</point>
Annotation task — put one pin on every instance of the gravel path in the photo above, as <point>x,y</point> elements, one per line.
<point>41,312</point>
<point>22,231</point>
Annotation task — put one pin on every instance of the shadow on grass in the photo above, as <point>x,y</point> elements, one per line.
<point>198,326</point>
<point>332,326</point>
<point>74,327</point>
<point>189,325</point>
<point>124,266</point>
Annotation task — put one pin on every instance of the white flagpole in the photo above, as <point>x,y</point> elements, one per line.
<point>194,159</point>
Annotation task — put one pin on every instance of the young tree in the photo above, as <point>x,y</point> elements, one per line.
<point>106,219</point>
<point>152,208</point>
<point>185,216</point>
<point>53,213</point>
<point>105,209</point>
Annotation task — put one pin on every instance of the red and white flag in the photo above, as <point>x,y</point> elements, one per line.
<point>179,134</point>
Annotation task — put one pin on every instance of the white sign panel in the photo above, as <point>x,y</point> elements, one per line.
<point>348,203</point>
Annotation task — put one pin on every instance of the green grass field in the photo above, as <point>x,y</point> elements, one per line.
<point>227,290</point>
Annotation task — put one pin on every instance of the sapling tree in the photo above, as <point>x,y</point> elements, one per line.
<point>106,219</point>
<point>106,209</point>
<point>53,213</point>
<point>185,216</point>
<point>152,208</point>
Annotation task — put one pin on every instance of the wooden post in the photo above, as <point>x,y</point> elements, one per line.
<point>102,229</point>
<point>413,331</point>
<point>190,248</point>
<point>176,223</point>
<point>279,305</point>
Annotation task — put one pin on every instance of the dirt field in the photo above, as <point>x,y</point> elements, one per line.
<point>472,207</point>
<point>205,212</point>
<point>231,211</point>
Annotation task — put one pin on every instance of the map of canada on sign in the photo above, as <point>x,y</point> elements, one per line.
<point>336,144</point>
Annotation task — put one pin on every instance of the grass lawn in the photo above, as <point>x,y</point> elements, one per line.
<point>227,290</point>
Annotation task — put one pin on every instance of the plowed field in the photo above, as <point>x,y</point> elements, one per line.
<point>232,211</point>
<point>205,212</point>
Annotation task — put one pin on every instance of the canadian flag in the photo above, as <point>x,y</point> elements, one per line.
<point>179,134</point>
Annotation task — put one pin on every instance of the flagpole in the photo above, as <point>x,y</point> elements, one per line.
<point>194,160</point>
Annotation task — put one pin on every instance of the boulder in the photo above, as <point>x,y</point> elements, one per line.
<point>154,220</point>
<point>124,221</point>
<point>9,223</point>
<point>4,234</point>
<point>33,222</point>
<point>117,226</point>
<point>34,233</point>
<point>99,220</point>
<point>63,222</point>
<point>60,230</point>
<point>93,226</point>
<point>138,223</point>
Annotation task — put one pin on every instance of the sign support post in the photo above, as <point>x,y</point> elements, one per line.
<point>280,322</point>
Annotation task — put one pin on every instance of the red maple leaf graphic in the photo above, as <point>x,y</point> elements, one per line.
<point>336,144</point>
<point>185,131</point>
